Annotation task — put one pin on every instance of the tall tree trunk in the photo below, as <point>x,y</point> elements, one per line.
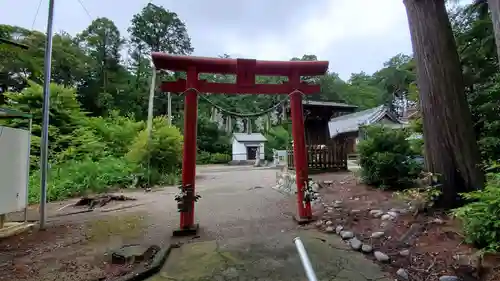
<point>494,6</point>
<point>450,144</point>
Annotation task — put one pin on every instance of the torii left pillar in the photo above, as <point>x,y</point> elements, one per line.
<point>187,225</point>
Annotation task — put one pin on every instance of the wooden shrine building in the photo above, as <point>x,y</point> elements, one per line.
<point>323,152</point>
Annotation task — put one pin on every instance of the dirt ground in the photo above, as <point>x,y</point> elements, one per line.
<point>236,201</point>
<point>239,210</point>
<point>427,246</point>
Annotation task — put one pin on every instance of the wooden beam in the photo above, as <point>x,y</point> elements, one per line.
<point>202,86</point>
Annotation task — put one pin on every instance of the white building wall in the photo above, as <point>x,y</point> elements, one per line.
<point>239,149</point>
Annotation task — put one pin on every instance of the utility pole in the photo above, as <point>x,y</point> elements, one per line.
<point>169,108</point>
<point>151,102</point>
<point>44,143</point>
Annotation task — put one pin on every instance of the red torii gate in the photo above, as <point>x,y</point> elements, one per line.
<point>245,71</point>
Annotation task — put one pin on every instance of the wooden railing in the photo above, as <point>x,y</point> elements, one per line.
<point>325,158</point>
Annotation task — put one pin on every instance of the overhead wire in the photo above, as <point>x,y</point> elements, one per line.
<point>85,9</point>
<point>36,14</point>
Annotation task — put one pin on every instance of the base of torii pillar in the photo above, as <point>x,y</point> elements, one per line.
<point>190,231</point>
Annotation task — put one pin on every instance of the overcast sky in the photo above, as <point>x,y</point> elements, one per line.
<point>354,35</point>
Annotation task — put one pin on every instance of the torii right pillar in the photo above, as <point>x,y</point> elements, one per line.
<point>304,211</point>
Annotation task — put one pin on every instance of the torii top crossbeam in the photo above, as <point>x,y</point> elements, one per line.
<point>245,71</point>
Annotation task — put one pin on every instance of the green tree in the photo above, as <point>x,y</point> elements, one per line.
<point>106,78</point>
<point>160,30</point>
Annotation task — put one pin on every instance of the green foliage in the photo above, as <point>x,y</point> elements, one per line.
<point>160,154</point>
<point>278,138</point>
<point>220,158</point>
<point>204,157</point>
<point>480,218</point>
<point>81,177</point>
<point>211,139</point>
<point>424,196</point>
<point>386,158</point>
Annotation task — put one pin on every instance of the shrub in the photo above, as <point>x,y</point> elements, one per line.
<point>480,218</point>
<point>386,158</point>
<point>159,156</point>
<point>203,157</point>
<point>220,158</point>
<point>79,177</point>
<point>278,138</point>
<point>117,132</point>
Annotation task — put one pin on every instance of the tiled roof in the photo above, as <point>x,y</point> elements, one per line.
<point>327,103</point>
<point>351,122</point>
<point>244,137</point>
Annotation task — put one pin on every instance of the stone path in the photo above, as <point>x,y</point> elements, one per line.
<point>269,258</point>
<point>247,233</point>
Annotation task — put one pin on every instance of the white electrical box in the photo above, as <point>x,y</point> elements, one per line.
<point>14,169</point>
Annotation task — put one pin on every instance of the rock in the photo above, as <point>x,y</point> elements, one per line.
<point>393,214</point>
<point>355,211</point>
<point>133,254</point>
<point>315,187</point>
<point>328,223</point>
<point>230,273</point>
<point>402,274</point>
<point>337,204</point>
<point>438,221</point>
<point>366,248</point>
<point>338,229</point>
<point>327,182</point>
<point>468,260</point>
<point>329,229</point>
<point>399,211</point>
<point>356,198</point>
<point>346,235</point>
<point>355,243</point>
<point>385,225</point>
<point>387,217</point>
<point>319,223</point>
<point>449,278</point>
<point>376,213</point>
<point>377,234</point>
<point>404,253</point>
<point>381,257</point>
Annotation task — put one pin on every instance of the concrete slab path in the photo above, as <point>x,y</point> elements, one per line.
<point>247,233</point>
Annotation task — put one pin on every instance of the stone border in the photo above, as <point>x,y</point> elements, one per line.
<point>357,245</point>
<point>155,266</point>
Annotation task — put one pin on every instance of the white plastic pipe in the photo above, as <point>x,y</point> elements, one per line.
<point>306,263</point>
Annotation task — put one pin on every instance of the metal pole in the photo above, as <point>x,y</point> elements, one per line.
<point>28,173</point>
<point>44,143</point>
<point>311,275</point>
<point>169,100</point>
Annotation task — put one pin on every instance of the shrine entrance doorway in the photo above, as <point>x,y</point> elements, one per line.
<point>246,71</point>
